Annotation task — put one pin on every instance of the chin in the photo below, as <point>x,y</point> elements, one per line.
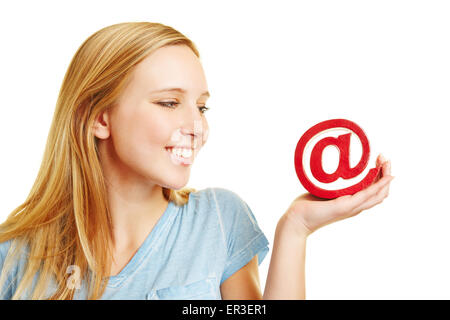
<point>175,185</point>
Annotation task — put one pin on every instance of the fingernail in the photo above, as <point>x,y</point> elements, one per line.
<point>382,158</point>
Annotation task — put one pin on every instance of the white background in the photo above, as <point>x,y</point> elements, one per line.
<point>274,69</point>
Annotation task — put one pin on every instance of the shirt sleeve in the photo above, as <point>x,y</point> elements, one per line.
<point>242,235</point>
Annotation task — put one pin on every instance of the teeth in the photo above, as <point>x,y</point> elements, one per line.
<point>186,153</point>
<point>181,152</point>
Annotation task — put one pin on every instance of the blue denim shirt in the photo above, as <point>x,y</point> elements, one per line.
<point>190,251</point>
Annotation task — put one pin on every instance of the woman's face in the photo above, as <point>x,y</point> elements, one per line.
<point>139,133</point>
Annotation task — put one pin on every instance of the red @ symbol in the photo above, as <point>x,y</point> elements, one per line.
<point>343,170</point>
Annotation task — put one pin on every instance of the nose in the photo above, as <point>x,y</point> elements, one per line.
<point>194,126</point>
<point>195,130</point>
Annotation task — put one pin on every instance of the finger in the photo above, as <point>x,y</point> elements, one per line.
<point>380,160</point>
<point>354,201</point>
<point>373,189</point>
<point>374,200</point>
<point>379,198</point>
<point>380,163</point>
<point>387,168</point>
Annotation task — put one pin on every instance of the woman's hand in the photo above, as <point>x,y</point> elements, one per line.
<point>308,213</point>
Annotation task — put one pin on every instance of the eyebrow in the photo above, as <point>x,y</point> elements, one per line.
<point>206,93</point>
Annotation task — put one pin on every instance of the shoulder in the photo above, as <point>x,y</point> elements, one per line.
<point>11,275</point>
<point>215,197</point>
<point>4,248</point>
<point>222,198</point>
<point>232,210</point>
<point>20,250</point>
<point>223,205</point>
<point>222,194</point>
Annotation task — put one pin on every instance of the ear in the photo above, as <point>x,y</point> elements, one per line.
<point>102,126</point>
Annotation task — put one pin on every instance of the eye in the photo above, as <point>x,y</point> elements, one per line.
<point>203,109</point>
<point>171,104</point>
<point>168,104</point>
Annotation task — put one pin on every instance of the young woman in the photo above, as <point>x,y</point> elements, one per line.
<point>108,217</point>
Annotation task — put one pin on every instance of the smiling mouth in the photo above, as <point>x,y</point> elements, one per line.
<point>181,156</point>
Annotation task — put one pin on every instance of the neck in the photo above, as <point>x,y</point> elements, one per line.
<point>134,202</point>
<point>134,213</point>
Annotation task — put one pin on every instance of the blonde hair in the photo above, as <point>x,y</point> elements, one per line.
<point>65,219</point>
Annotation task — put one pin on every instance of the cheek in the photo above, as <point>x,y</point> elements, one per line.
<point>151,132</point>
<point>205,131</point>
<point>140,134</point>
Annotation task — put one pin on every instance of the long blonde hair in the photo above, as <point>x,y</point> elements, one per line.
<point>65,219</point>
